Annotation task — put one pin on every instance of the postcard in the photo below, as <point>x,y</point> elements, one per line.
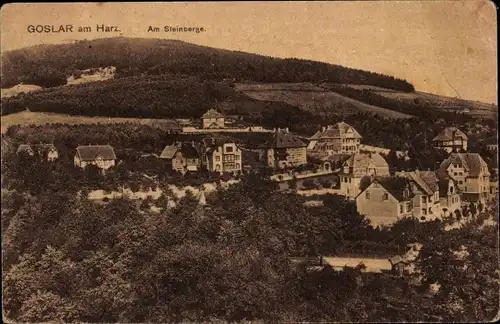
<point>236,162</point>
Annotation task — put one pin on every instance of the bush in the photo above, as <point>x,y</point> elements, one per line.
<point>309,184</point>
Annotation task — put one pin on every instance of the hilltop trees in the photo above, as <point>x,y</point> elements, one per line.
<point>155,57</point>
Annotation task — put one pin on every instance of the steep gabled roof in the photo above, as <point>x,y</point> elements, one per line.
<point>396,187</point>
<point>443,181</point>
<point>360,161</point>
<point>450,133</point>
<point>169,151</point>
<point>426,181</point>
<point>38,148</point>
<point>284,139</point>
<point>92,152</point>
<point>472,162</point>
<point>212,113</point>
<point>24,148</point>
<point>338,130</point>
<point>188,151</point>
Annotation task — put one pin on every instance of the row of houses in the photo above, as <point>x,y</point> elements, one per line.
<point>102,156</point>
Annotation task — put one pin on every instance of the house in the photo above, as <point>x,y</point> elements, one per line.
<point>340,138</point>
<point>356,167</point>
<point>398,265</point>
<point>408,194</point>
<point>285,150</point>
<point>46,151</point>
<point>182,157</point>
<point>451,139</point>
<point>386,200</point>
<point>102,156</point>
<point>212,119</point>
<point>223,157</point>
<point>471,173</point>
<point>491,143</point>
<point>449,193</point>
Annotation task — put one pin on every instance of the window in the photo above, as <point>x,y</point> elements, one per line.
<point>465,189</point>
<point>460,182</point>
<point>430,198</point>
<point>424,199</point>
<point>451,189</point>
<point>345,179</point>
<point>229,149</point>
<point>454,173</point>
<point>376,185</point>
<point>385,196</point>
<point>367,195</point>
<point>217,159</point>
<point>401,208</point>
<point>424,211</point>
<point>461,173</point>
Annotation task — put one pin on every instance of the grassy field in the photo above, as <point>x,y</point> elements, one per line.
<point>475,108</point>
<point>312,98</point>
<point>38,118</point>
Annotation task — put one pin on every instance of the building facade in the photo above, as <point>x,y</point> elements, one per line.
<point>182,157</point>
<point>102,156</point>
<point>285,150</point>
<point>386,200</point>
<point>470,172</point>
<point>451,139</point>
<point>358,166</point>
<point>212,119</point>
<point>224,157</point>
<point>340,138</point>
<point>424,195</point>
<point>45,151</point>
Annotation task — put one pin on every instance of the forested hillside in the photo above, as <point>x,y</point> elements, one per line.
<point>49,65</point>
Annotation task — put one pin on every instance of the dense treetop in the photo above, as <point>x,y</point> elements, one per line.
<point>49,65</point>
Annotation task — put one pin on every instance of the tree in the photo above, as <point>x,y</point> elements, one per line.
<point>465,263</point>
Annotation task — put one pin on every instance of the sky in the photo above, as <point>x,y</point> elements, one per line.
<point>443,47</point>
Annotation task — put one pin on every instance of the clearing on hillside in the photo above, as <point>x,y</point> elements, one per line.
<point>312,98</point>
<point>38,118</point>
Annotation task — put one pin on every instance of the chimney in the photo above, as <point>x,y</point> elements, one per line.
<point>323,129</point>
<point>286,130</point>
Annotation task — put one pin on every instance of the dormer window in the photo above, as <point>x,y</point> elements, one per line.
<point>406,193</point>
<point>385,196</point>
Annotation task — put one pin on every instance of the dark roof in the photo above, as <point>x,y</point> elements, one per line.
<point>188,151</point>
<point>450,133</point>
<point>472,162</point>
<point>396,187</point>
<point>427,181</point>
<point>91,152</point>
<point>336,131</point>
<point>212,113</point>
<point>443,181</point>
<point>39,148</point>
<point>284,139</point>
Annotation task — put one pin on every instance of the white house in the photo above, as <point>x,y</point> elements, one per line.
<point>102,156</point>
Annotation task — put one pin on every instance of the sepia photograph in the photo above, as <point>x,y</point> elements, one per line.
<point>250,162</point>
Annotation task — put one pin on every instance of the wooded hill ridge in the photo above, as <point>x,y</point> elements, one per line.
<point>49,65</point>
